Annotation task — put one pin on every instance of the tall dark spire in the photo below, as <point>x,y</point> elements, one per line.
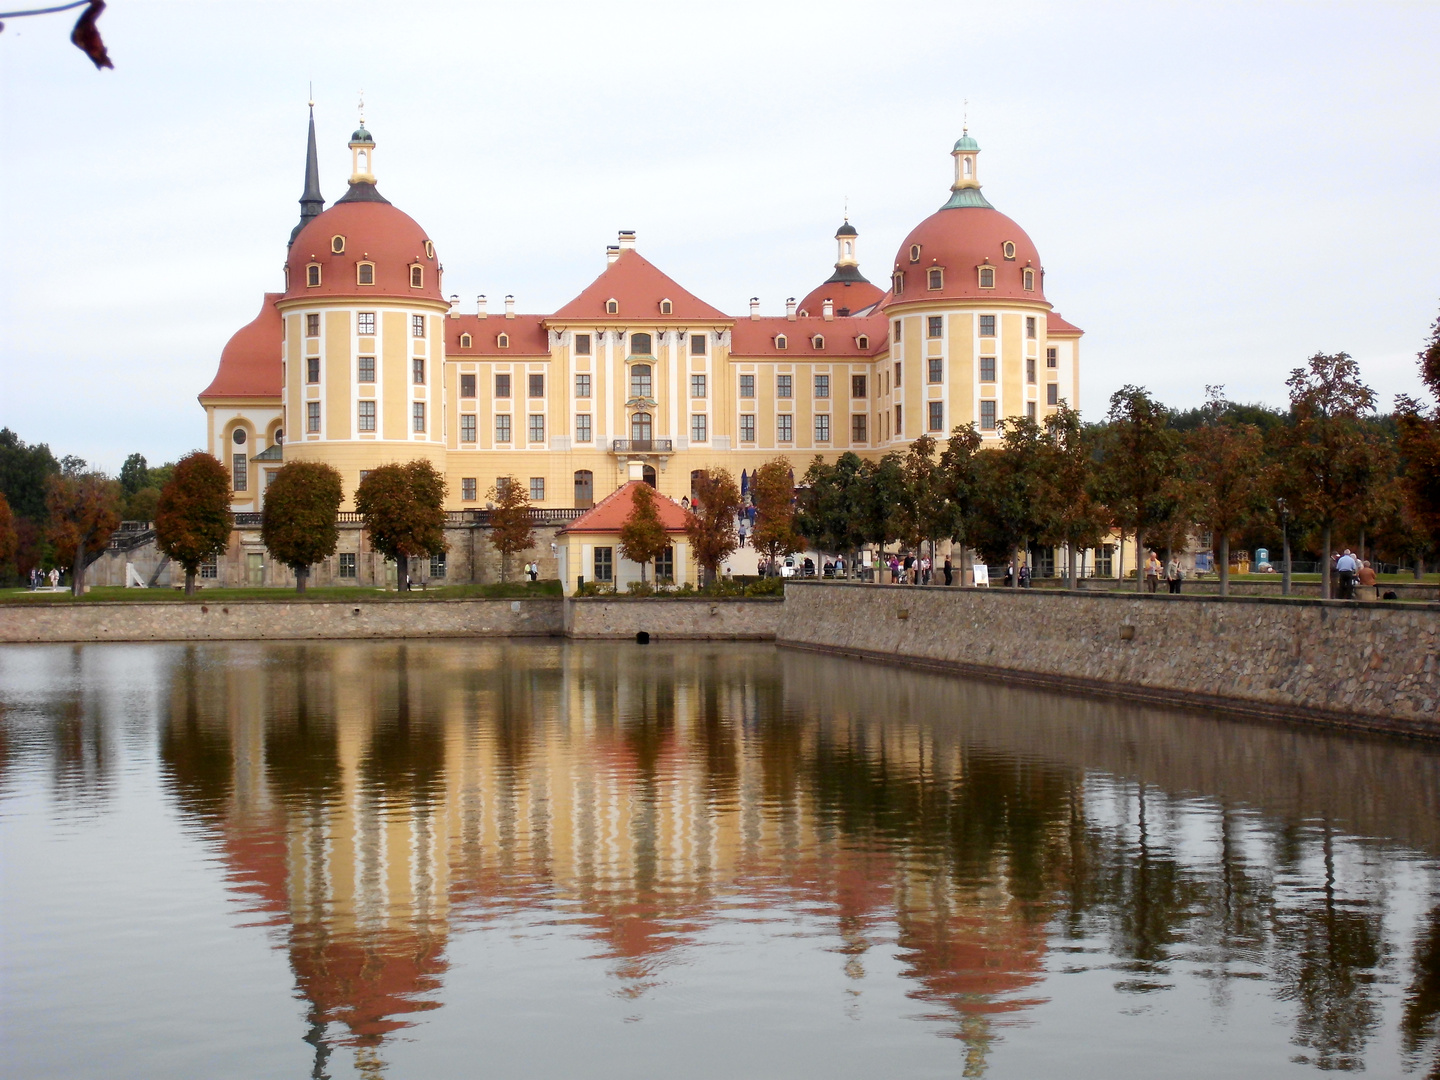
<point>311,202</point>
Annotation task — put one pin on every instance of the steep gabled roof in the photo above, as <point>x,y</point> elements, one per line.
<point>638,286</point>
<point>611,512</point>
<point>752,338</point>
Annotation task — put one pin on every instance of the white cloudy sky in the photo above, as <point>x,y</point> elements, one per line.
<point>1218,190</point>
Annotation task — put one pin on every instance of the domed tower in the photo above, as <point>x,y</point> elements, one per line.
<point>849,291</point>
<point>363,333</point>
<point>972,337</point>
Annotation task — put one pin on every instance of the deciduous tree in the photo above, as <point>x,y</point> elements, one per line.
<point>299,525</point>
<point>9,542</point>
<point>84,509</point>
<point>403,507</point>
<point>774,495</point>
<point>511,530</point>
<point>1138,465</point>
<point>959,479</point>
<point>134,474</point>
<point>710,525</point>
<point>1225,467</point>
<point>1419,445</point>
<point>1069,513</point>
<point>642,537</point>
<point>192,514</point>
<point>1009,490</point>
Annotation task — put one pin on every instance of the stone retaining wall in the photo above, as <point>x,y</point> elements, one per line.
<point>674,617</point>
<point>1360,665</point>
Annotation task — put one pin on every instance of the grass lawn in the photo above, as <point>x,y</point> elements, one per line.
<point>340,593</point>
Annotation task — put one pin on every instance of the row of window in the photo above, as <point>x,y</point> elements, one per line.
<point>364,275</point>
<point>603,565</point>
<point>348,565</point>
<point>985,278</point>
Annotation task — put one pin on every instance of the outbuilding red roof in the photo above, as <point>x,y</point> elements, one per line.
<point>751,338</point>
<point>611,512</point>
<point>1055,326</point>
<point>638,287</point>
<point>250,361</point>
<point>525,336</point>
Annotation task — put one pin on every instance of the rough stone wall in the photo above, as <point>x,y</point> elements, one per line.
<point>678,617</point>
<point>1365,665</point>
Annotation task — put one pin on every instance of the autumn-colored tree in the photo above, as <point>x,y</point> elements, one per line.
<point>773,493</point>
<point>959,479</point>
<point>642,537</point>
<point>9,541</point>
<point>1138,466</point>
<point>511,530</point>
<point>403,507</point>
<point>922,511</point>
<point>192,513</point>
<point>1419,445</point>
<point>84,509</point>
<point>710,525</point>
<point>1069,513</point>
<point>299,525</point>
<point>1226,474</point>
<point>1008,496</point>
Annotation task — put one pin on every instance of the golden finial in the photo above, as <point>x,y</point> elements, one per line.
<point>312,95</point>
<point>362,106</point>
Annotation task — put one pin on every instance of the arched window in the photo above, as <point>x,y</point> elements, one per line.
<point>612,307</point>
<point>987,277</point>
<point>365,273</point>
<point>666,307</point>
<point>1029,280</point>
<point>465,341</point>
<point>849,249</point>
<point>417,277</point>
<point>936,278</point>
<point>312,275</point>
<point>503,341</point>
<point>337,244</point>
<point>897,283</point>
<point>640,385</point>
<point>641,345</point>
<point>641,427</point>
<point>968,166</point>
<point>648,473</point>
<point>363,159</point>
<point>584,489</point>
<point>862,342</point>
<point>818,341</point>
<point>781,341</point>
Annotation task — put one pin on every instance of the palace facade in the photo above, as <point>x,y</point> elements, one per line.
<point>360,359</point>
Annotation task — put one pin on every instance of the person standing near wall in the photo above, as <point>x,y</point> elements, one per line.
<point>1152,572</point>
<point>1346,566</point>
<point>949,570</point>
<point>1365,576</point>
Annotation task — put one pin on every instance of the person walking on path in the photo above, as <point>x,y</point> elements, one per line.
<point>949,570</point>
<point>1365,576</point>
<point>1173,574</point>
<point>1009,574</point>
<point>1152,572</point>
<point>1346,566</point>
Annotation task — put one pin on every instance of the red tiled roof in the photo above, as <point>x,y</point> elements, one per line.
<point>374,232</point>
<point>1055,326</point>
<point>639,287</point>
<point>614,510</point>
<point>527,334</point>
<point>250,361</point>
<point>959,241</point>
<point>854,296</point>
<point>756,337</point>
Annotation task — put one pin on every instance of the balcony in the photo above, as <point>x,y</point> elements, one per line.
<point>642,446</point>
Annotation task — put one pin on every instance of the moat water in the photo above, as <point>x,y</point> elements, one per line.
<point>537,860</point>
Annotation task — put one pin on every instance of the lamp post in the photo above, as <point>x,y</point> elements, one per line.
<point>1285,544</point>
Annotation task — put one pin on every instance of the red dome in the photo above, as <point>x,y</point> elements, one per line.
<point>250,361</point>
<point>960,241</point>
<point>373,232</point>
<point>851,297</point>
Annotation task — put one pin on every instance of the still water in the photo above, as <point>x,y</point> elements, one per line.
<point>466,859</point>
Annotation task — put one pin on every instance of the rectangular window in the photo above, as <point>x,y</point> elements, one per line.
<point>699,428</point>
<point>936,369</point>
<point>1030,327</point>
<point>1105,561</point>
<point>367,369</point>
<point>935,326</point>
<point>502,386</point>
<point>987,325</point>
<point>537,488</point>
<point>697,344</point>
<point>347,564</point>
<point>899,423</point>
<point>210,569</point>
<point>417,416</point>
<point>857,386</point>
<point>1052,393</point>
<point>582,344</point>
<point>665,565</point>
<point>537,386</point>
<point>604,564</point>
<point>897,375</point>
<point>582,386</point>
<point>367,416</point>
<point>240,472</point>
<point>822,427</point>
<point>857,428</point>
<point>437,565</point>
<point>1030,370</point>
<point>312,325</point>
<point>785,427</point>
<point>467,386</point>
<point>582,427</point>
<point>502,427</point>
<point>537,427</point>
<point>747,386</point>
<point>365,323</point>
<point>747,427</point>
<point>987,369</point>
<point>937,415</point>
<point>417,325</point>
<point>697,386</point>
<point>312,369</point>
<point>417,370</point>
<point>467,488</point>
<point>822,386</point>
<point>987,416</point>
<point>782,386</point>
<point>1029,410</point>
<point>467,427</point>
<point>897,330</point>
<point>312,416</point>
<point>1052,358</point>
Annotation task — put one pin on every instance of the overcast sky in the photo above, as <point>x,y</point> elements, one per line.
<point>1217,191</point>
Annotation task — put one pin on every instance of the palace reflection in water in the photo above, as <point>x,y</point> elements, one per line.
<point>373,801</point>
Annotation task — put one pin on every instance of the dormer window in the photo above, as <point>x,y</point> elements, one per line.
<point>1029,280</point>
<point>897,285</point>
<point>287,279</point>
<point>612,306</point>
<point>818,341</point>
<point>503,341</point>
<point>862,342</point>
<point>417,277</point>
<point>429,250</point>
<point>914,253</point>
<point>465,341</point>
<point>666,308</point>
<point>987,277</point>
<point>365,273</point>
<point>935,278</point>
<point>312,275</point>
<point>781,341</point>
<point>1009,249</point>
<point>337,245</point>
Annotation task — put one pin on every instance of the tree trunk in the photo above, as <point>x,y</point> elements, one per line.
<point>1325,562</point>
<point>77,572</point>
<point>1120,565</point>
<point>1014,568</point>
<point>189,582</point>
<point>1285,573</point>
<point>1070,553</point>
<point>1224,564</point>
<point>1139,560</point>
<point>1361,552</point>
<point>301,573</point>
<point>504,567</point>
<point>1419,568</point>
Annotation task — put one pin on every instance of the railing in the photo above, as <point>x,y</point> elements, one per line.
<point>641,446</point>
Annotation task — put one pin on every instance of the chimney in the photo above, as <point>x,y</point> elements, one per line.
<point>454,305</point>
<point>509,306</point>
<point>480,305</point>
<point>612,253</point>
<point>828,310</point>
<point>790,308</point>
<point>754,307</point>
<point>627,239</point>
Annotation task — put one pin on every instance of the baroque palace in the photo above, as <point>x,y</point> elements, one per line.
<point>362,360</point>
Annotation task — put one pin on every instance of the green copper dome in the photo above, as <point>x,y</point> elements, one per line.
<point>965,142</point>
<point>363,136</point>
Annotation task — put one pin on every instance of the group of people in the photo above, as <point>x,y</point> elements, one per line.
<point>1171,573</point>
<point>1356,578</point>
<point>910,570</point>
<point>38,578</point>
